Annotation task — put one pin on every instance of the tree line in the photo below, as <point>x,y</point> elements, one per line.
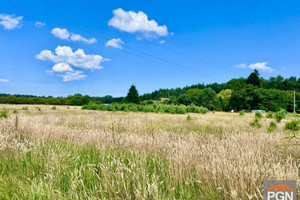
<point>74,100</point>
<point>237,94</point>
<point>252,93</point>
<point>279,83</point>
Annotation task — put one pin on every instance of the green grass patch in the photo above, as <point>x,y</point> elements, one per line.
<point>4,113</point>
<point>60,170</point>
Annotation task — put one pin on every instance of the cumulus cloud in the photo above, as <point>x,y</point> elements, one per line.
<point>64,34</point>
<point>77,37</point>
<point>39,24</point>
<point>64,54</point>
<point>115,43</point>
<point>71,76</point>
<point>62,67</point>
<point>262,66</point>
<point>162,42</point>
<point>4,80</point>
<point>65,60</point>
<point>132,22</point>
<point>61,33</point>
<point>10,22</point>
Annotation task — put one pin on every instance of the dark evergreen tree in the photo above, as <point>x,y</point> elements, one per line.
<point>253,79</point>
<point>133,95</point>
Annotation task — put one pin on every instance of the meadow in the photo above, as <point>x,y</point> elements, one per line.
<point>65,152</point>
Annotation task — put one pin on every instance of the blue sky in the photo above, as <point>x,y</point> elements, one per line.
<point>98,48</point>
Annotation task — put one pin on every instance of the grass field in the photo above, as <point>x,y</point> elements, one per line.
<point>69,153</point>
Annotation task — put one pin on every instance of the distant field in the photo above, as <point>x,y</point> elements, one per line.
<point>69,153</point>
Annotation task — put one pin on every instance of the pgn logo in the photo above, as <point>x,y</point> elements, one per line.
<point>280,190</point>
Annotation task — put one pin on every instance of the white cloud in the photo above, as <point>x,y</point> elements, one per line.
<point>39,24</point>
<point>64,54</point>
<point>115,42</point>
<point>62,67</point>
<point>133,22</point>
<point>162,42</point>
<point>64,34</point>
<point>71,76</point>
<point>61,33</point>
<point>77,37</point>
<point>262,66</point>
<point>65,60</point>
<point>4,80</point>
<point>10,22</point>
<point>242,65</point>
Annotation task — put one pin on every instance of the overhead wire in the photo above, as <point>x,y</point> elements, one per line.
<point>150,42</point>
<point>155,60</point>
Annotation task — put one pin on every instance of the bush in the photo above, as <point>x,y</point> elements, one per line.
<point>161,108</point>
<point>4,113</point>
<point>255,123</point>
<point>269,115</point>
<point>279,115</point>
<point>169,109</point>
<point>294,128</point>
<point>130,107</point>
<point>25,108</point>
<point>293,125</point>
<point>148,108</point>
<point>53,108</point>
<point>242,113</point>
<point>188,118</point>
<point>201,110</point>
<point>258,115</point>
<point>90,106</point>
<point>180,109</point>
<point>15,111</point>
<point>148,102</point>
<point>272,127</point>
<point>191,108</point>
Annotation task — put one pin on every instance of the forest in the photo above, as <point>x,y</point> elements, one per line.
<point>253,92</point>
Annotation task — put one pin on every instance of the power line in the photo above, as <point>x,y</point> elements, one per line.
<point>160,46</point>
<point>131,48</point>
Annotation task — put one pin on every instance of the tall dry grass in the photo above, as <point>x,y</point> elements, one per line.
<point>71,153</point>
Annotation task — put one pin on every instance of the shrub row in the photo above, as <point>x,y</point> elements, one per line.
<point>160,108</point>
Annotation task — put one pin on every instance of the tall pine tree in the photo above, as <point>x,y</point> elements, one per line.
<point>133,95</point>
<point>253,79</point>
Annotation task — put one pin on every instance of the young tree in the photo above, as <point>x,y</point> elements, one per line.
<point>253,79</point>
<point>133,95</point>
<point>225,95</point>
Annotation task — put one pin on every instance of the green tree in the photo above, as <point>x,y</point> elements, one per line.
<point>133,95</point>
<point>238,100</point>
<point>225,95</point>
<point>236,84</point>
<point>253,79</point>
<point>184,99</point>
<point>207,97</point>
<point>194,95</point>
